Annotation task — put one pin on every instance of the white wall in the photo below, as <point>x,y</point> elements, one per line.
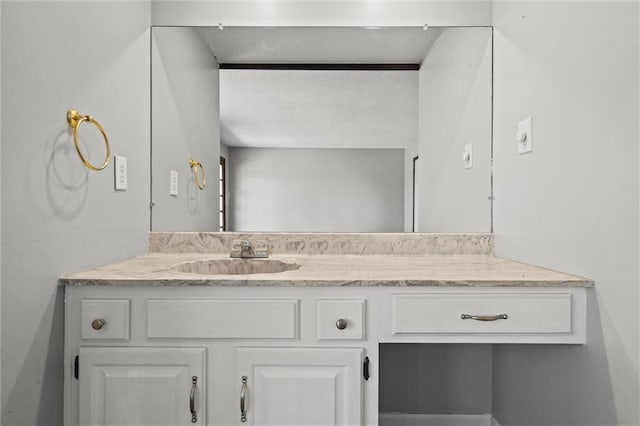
<point>321,12</point>
<point>455,109</point>
<point>571,204</point>
<point>316,190</point>
<point>435,378</point>
<point>186,125</point>
<point>224,150</point>
<point>57,217</point>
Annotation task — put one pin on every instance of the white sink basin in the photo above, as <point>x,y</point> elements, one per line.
<point>236,266</point>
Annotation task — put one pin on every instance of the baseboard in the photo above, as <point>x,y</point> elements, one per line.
<point>403,419</point>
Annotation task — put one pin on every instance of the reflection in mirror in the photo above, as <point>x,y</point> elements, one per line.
<point>317,129</point>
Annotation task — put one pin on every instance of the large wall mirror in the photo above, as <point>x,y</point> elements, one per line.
<point>321,129</point>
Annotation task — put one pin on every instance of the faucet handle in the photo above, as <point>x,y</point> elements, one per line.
<point>236,247</point>
<point>260,248</point>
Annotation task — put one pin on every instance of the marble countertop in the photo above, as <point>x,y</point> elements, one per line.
<point>161,269</point>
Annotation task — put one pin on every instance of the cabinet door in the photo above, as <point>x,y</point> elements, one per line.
<point>142,386</point>
<point>300,386</point>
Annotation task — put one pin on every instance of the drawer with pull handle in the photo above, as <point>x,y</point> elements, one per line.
<point>493,313</point>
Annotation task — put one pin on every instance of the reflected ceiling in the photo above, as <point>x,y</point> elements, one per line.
<point>319,109</point>
<point>320,45</point>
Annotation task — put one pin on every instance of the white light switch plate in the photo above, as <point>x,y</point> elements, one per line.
<point>524,128</point>
<point>120,177</point>
<point>173,183</point>
<point>467,156</point>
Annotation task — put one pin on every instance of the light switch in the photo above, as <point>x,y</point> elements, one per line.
<point>524,137</point>
<point>120,173</point>
<point>467,156</point>
<point>173,183</point>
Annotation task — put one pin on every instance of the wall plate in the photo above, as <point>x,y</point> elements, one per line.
<point>525,131</point>
<point>467,156</point>
<point>173,183</point>
<point>120,173</point>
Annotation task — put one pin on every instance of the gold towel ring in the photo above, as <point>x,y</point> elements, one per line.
<point>194,166</point>
<point>75,119</point>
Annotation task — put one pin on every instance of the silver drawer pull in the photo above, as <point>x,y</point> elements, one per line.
<point>341,324</point>
<point>484,317</point>
<point>243,393</point>
<point>192,399</point>
<point>97,324</point>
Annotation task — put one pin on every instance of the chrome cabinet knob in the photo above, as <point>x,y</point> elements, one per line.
<point>341,324</point>
<point>97,324</point>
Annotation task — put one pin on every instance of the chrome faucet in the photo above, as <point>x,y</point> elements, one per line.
<point>245,249</point>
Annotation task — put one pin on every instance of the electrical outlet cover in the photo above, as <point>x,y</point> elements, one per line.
<point>173,183</point>
<point>120,171</point>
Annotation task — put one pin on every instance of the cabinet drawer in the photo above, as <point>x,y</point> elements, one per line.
<point>222,318</point>
<point>538,313</point>
<point>105,318</point>
<point>340,319</point>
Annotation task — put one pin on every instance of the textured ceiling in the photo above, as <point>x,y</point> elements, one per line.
<point>330,109</point>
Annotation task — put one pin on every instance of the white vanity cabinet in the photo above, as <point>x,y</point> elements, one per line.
<point>303,353</point>
<point>276,355</point>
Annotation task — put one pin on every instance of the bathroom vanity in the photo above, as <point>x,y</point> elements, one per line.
<point>166,339</point>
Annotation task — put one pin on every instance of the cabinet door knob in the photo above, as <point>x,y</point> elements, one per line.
<point>97,324</point>
<point>341,324</point>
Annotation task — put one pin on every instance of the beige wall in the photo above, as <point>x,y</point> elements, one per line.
<point>57,217</point>
<point>571,204</point>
